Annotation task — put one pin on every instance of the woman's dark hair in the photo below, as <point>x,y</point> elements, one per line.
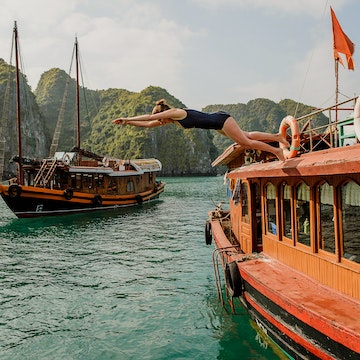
<point>160,106</point>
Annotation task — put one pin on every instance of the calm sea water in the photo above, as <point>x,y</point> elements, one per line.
<point>120,285</point>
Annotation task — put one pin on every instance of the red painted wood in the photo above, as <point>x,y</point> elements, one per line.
<point>326,310</point>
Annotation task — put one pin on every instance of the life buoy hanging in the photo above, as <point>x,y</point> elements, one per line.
<point>14,191</point>
<point>233,281</point>
<point>105,161</point>
<point>290,122</point>
<point>67,159</point>
<point>208,233</point>
<point>357,118</point>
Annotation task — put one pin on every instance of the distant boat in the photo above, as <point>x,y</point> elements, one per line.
<point>78,180</point>
<point>289,245</point>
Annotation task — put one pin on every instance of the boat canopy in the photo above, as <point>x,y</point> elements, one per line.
<point>326,162</point>
<point>148,165</point>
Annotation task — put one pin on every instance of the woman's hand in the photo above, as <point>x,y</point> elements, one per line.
<point>120,121</point>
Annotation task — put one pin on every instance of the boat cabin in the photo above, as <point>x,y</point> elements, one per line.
<point>109,176</point>
<point>304,212</point>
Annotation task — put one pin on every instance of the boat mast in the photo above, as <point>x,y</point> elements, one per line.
<point>18,109</point>
<point>77,93</point>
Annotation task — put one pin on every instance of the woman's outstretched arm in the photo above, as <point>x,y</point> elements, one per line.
<point>140,123</point>
<point>157,119</point>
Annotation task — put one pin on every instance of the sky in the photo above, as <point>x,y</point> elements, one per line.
<point>201,51</point>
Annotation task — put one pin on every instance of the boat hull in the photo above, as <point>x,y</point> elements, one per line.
<point>294,336</point>
<point>35,202</point>
<point>305,318</point>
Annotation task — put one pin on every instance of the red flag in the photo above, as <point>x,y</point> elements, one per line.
<point>342,43</point>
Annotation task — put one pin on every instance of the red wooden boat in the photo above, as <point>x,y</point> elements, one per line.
<point>289,245</point>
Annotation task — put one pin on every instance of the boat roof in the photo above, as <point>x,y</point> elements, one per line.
<point>102,171</point>
<point>228,155</point>
<point>341,160</point>
<point>140,166</point>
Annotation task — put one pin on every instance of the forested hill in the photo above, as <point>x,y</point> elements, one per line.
<point>182,152</point>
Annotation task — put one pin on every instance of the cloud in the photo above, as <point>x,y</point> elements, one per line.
<point>201,51</point>
<point>130,45</point>
<point>311,7</point>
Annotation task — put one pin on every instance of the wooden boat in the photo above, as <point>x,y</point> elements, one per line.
<point>79,180</point>
<point>289,245</point>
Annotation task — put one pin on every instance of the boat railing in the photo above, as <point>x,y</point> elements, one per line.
<point>328,134</point>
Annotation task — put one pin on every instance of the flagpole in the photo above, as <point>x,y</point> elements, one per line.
<point>336,98</point>
<point>342,44</point>
<point>336,81</point>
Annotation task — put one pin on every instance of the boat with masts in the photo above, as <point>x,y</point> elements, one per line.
<point>288,248</point>
<point>78,180</point>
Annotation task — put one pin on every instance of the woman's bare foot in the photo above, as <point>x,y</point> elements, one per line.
<point>282,140</point>
<point>280,154</point>
<point>286,153</point>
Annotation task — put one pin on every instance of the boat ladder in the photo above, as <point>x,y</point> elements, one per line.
<point>45,173</point>
<point>219,259</point>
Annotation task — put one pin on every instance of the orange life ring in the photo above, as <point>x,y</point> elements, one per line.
<point>290,121</point>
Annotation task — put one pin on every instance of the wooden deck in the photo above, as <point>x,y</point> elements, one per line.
<point>328,311</point>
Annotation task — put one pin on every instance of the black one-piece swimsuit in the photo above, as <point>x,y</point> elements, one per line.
<point>202,120</point>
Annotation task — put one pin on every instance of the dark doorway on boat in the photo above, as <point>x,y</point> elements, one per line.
<point>257,217</point>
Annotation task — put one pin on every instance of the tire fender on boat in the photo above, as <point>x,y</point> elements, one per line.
<point>97,200</point>
<point>357,118</point>
<point>139,199</point>
<point>208,233</point>
<point>68,193</point>
<point>14,191</point>
<point>290,122</point>
<point>233,281</point>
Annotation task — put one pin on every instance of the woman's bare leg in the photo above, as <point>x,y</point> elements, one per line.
<point>257,135</point>
<point>253,140</point>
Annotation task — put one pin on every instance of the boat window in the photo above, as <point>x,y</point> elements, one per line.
<point>350,200</point>
<point>78,181</point>
<point>112,186</point>
<point>236,193</point>
<point>130,186</point>
<point>271,209</point>
<point>73,181</point>
<point>303,214</point>
<point>87,181</point>
<point>245,203</point>
<point>90,184</point>
<point>99,181</point>
<point>327,229</point>
<point>286,210</point>
<point>258,229</point>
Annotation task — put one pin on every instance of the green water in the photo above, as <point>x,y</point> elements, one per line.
<point>135,284</point>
